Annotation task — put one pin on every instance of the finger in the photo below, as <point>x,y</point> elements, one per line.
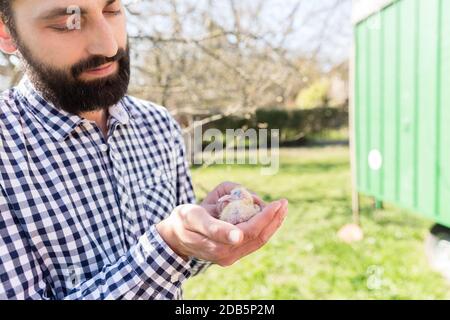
<point>274,225</point>
<point>263,238</point>
<point>197,219</point>
<point>221,190</point>
<point>257,200</point>
<point>253,227</point>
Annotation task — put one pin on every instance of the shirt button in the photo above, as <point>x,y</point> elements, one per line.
<point>116,156</point>
<point>104,147</point>
<point>157,173</point>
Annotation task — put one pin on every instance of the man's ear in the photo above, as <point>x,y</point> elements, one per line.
<point>7,44</point>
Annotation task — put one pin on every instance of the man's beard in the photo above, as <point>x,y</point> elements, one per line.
<point>66,91</point>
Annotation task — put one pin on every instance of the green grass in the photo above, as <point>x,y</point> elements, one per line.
<point>305,259</point>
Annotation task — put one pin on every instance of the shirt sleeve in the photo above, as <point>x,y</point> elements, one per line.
<point>150,268</point>
<point>20,274</point>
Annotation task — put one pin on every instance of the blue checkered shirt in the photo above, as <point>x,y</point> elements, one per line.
<point>78,211</point>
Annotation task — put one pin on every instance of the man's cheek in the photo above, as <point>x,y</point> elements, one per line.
<point>121,32</point>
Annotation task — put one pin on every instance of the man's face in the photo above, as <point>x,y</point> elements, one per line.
<point>74,51</point>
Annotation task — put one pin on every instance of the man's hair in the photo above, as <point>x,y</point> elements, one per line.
<point>7,15</point>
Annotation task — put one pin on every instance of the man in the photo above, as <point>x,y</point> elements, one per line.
<point>96,200</point>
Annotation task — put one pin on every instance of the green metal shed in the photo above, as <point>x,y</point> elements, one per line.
<point>400,104</point>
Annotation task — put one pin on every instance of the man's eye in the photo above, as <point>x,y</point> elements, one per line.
<point>113,12</point>
<point>62,28</point>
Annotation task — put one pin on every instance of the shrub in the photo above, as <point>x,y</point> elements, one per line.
<point>293,124</point>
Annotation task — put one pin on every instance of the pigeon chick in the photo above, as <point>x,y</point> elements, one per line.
<point>238,206</point>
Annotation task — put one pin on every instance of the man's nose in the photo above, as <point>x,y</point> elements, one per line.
<point>101,39</point>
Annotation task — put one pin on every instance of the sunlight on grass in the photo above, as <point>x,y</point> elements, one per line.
<point>306,260</point>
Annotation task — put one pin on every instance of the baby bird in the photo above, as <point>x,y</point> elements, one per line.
<point>238,206</point>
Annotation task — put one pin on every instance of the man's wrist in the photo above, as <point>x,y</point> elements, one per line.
<point>169,236</point>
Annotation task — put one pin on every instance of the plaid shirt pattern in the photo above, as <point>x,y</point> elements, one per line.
<point>78,211</point>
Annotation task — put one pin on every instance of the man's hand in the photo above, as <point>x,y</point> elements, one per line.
<point>191,231</point>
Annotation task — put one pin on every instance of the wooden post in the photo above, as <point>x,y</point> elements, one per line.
<point>352,134</point>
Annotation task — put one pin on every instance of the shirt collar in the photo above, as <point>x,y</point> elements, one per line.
<point>60,123</point>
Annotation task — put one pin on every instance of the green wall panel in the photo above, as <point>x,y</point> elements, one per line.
<point>375,122</point>
<point>427,106</point>
<point>402,105</point>
<point>389,101</point>
<point>406,89</point>
<point>444,156</point>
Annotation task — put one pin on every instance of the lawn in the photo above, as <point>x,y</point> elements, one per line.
<point>305,259</point>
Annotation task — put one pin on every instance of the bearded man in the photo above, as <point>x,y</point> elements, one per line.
<point>96,198</point>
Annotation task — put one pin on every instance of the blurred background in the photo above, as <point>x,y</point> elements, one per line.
<point>281,64</point>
